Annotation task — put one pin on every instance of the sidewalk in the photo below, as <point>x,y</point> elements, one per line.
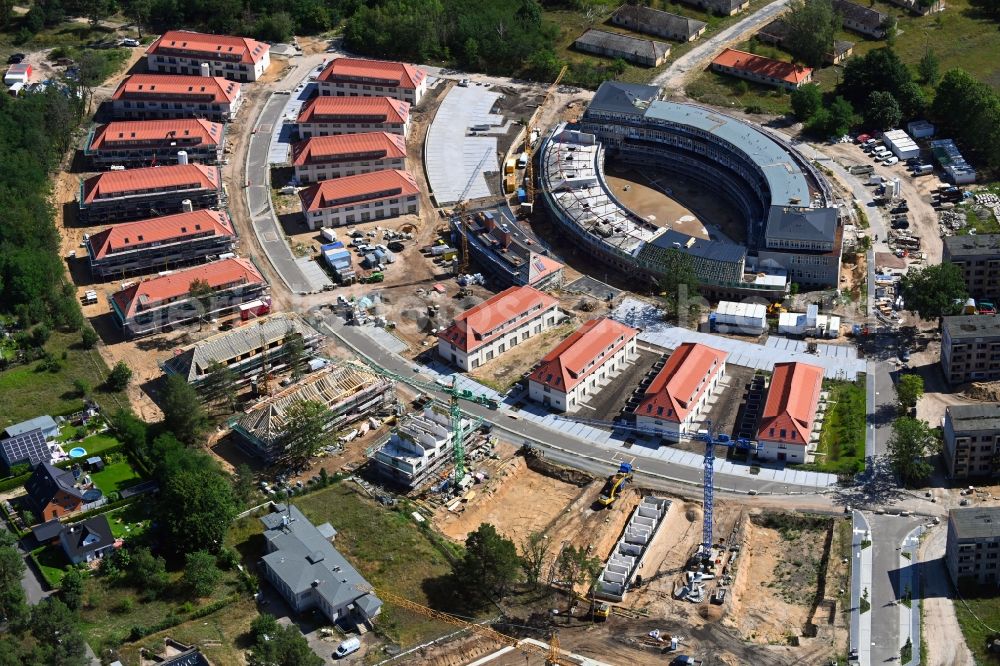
<point>909,618</point>
<point>861,582</point>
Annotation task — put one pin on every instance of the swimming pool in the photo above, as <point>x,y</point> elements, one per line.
<point>77,452</point>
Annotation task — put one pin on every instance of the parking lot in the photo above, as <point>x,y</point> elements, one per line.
<point>608,403</point>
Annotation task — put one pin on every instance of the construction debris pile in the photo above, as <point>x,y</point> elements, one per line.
<point>951,221</point>
<point>990,201</point>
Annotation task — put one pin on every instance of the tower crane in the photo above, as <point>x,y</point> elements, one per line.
<point>711,439</point>
<point>455,396</point>
<point>553,655</point>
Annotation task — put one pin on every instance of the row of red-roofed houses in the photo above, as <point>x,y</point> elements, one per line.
<point>673,405</point>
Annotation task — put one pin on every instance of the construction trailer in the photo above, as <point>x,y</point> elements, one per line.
<point>420,449</point>
<point>810,323</point>
<point>900,143</point>
<point>733,317</point>
<point>349,393</point>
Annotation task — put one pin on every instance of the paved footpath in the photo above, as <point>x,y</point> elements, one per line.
<point>861,582</point>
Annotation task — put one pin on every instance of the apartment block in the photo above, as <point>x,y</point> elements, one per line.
<point>151,96</point>
<point>348,393</point>
<point>972,440</point>
<point>582,364</point>
<point>978,256</point>
<point>677,398</point>
<point>149,306</point>
<point>489,329</point>
<point>135,194</point>
<point>759,69</point>
<point>139,143</point>
<point>787,425</point>
<point>325,157</point>
<point>970,348</point>
<point>234,58</point>
<point>329,116</point>
<point>367,197</point>
<point>354,77</point>
<point>419,448</point>
<point>159,243</point>
<point>972,553</point>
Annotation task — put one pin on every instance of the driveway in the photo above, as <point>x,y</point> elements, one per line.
<point>672,78</point>
<point>941,628</point>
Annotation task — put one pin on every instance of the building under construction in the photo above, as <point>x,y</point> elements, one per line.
<point>420,448</point>
<point>348,392</point>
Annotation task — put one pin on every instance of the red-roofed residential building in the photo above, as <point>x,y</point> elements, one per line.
<point>148,306</point>
<point>324,157</point>
<point>354,77</point>
<point>152,142</point>
<point>679,393</point>
<point>234,58</point>
<point>136,194</point>
<point>767,71</point>
<point>582,363</point>
<point>786,426</point>
<point>371,196</point>
<point>487,330</point>
<point>148,96</point>
<point>329,116</point>
<point>159,243</point>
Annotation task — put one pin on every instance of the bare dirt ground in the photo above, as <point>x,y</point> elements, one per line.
<point>518,502</point>
<point>502,372</point>
<point>643,197</point>
<point>942,635</point>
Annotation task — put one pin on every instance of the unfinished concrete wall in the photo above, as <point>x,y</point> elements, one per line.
<point>626,558</point>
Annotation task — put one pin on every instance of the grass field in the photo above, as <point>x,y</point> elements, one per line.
<point>114,478</point>
<point>130,522</point>
<point>97,444</point>
<point>987,609</point>
<point>27,391</point>
<point>390,551</point>
<point>841,447</point>
<point>52,563</point>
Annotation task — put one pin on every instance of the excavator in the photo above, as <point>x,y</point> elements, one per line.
<point>615,485</point>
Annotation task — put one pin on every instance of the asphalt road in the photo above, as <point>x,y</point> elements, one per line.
<point>888,533</point>
<point>672,78</point>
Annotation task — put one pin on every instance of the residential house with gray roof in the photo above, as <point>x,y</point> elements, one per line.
<point>720,7</point>
<point>978,256</point>
<point>972,440</point>
<point>87,540</point>
<point>637,50</point>
<point>970,348</point>
<point>973,550</point>
<point>310,573</point>
<point>647,20</point>
<point>861,19</point>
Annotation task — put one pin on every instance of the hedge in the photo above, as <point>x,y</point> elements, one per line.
<point>110,506</point>
<point>14,482</point>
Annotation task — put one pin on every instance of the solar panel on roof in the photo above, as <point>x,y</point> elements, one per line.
<point>27,447</point>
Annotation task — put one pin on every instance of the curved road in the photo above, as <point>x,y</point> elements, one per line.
<point>672,78</point>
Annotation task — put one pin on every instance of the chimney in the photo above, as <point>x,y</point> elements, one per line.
<point>187,206</point>
<point>205,69</point>
<point>182,157</point>
<point>503,233</point>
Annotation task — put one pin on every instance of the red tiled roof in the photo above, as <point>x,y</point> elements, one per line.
<point>677,387</point>
<point>792,400</point>
<point>384,144</point>
<point>217,274</point>
<point>224,46</point>
<point>193,176</point>
<point>353,189</point>
<point>775,69</point>
<point>399,74</point>
<point>149,86</point>
<point>324,108</point>
<point>578,356</point>
<point>159,229</point>
<point>157,130</point>
<point>477,325</point>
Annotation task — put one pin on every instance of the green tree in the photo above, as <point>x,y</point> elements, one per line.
<point>57,636</point>
<point>243,485</point>
<point>880,69</point>
<point>293,350</point>
<point>576,566</point>
<point>881,111</point>
<point>279,645</point>
<point>71,589</point>
<point>910,444</point>
<point>304,431</point>
<point>146,571</point>
<point>934,291</point>
<point>679,282</point>
<point>81,387</point>
<point>196,501</point>
<point>139,12</point>
<point>120,376</point>
<point>929,68</point>
<point>131,431</point>
<point>533,552</point>
<point>812,25</point>
<point>490,565</point>
<point>201,292</point>
<point>806,101</point>
<point>276,27</point>
<point>13,607</point>
<point>841,116</point>
<point>201,575</point>
<point>183,414</point>
<point>88,337</point>
<point>909,390</point>
<point>970,110</point>
<point>220,385</point>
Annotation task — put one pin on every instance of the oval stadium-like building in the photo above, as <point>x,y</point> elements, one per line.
<point>793,229</point>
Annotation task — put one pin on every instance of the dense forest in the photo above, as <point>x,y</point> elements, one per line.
<point>35,132</point>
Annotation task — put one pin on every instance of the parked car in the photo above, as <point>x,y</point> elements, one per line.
<point>128,41</point>
<point>891,160</point>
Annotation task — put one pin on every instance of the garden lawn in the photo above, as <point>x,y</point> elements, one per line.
<point>97,444</point>
<point>391,552</point>
<point>52,562</point>
<point>841,447</point>
<point>27,391</point>
<point>131,521</point>
<point>114,478</point>
<point>987,609</point>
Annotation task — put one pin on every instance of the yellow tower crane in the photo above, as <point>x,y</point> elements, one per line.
<point>529,170</point>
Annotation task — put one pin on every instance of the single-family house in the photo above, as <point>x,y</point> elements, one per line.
<point>53,493</point>
<point>87,540</point>
<point>639,18</point>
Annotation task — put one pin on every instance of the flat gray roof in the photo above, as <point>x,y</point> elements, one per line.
<point>975,417</point>
<point>971,326</point>
<point>972,246</point>
<point>785,180</point>
<point>976,522</point>
<point>796,223</point>
<point>618,97</point>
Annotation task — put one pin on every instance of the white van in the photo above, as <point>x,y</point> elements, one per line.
<point>351,645</point>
